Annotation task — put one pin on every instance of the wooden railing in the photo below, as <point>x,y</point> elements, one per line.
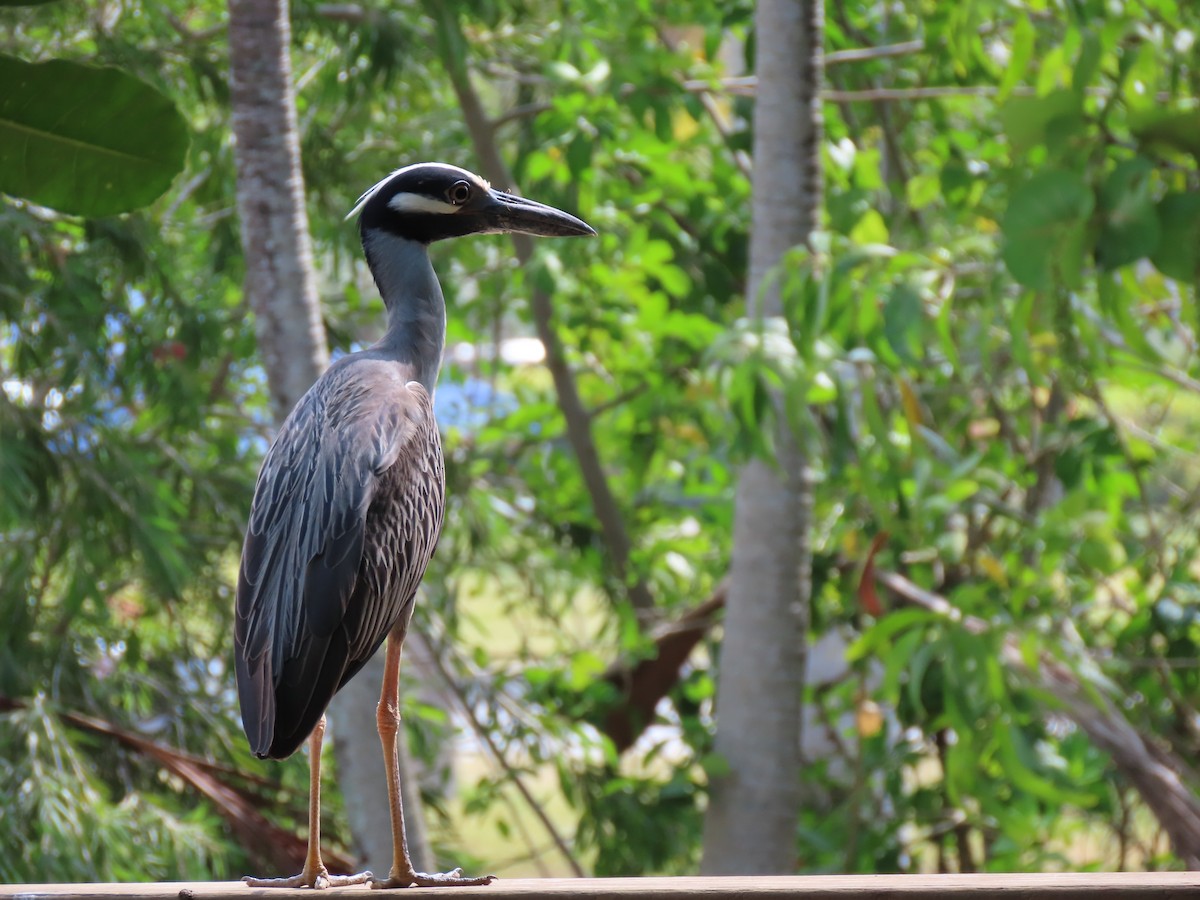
<point>1083,886</point>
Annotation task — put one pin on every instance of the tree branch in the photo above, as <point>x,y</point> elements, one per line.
<point>646,683</point>
<point>453,49</point>
<point>524,111</point>
<point>1154,771</point>
<point>865,54</point>
<point>485,735</point>
<point>747,86</point>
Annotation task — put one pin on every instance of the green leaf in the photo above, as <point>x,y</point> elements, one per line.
<point>876,640</point>
<point>956,182</point>
<point>1117,302</point>
<point>1020,765</point>
<point>1027,120</point>
<point>85,140</point>
<point>1177,130</point>
<point>902,319</point>
<point>870,229</point>
<point>1178,253</point>
<point>922,189</point>
<point>715,765</point>
<point>1131,226</point>
<point>1087,64</point>
<point>1045,220</point>
<point>1140,71</point>
<point>962,489</point>
<point>1021,51</point>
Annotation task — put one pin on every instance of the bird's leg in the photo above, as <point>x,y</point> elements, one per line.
<point>388,715</point>
<point>314,874</point>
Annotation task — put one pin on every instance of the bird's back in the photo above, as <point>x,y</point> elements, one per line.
<point>346,516</point>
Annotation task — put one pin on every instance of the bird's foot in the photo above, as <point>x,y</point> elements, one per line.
<point>438,879</point>
<point>315,878</point>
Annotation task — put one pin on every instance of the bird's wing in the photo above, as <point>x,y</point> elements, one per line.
<point>296,633</point>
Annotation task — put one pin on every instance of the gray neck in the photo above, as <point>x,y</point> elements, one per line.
<point>416,331</point>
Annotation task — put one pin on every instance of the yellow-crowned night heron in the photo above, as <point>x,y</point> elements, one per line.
<point>349,502</point>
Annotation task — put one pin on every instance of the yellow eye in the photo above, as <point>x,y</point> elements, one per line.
<point>459,193</point>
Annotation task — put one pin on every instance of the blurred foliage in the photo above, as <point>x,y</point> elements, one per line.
<point>996,367</point>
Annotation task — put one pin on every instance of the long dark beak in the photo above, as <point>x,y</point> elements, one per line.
<point>507,212</point>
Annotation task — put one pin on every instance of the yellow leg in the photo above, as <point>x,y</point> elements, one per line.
<point>388,717</point>
<point>314,874</point>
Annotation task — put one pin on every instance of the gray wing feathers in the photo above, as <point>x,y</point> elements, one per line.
<point>357,432</point>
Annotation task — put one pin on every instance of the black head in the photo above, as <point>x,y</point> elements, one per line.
<point>428,202</point>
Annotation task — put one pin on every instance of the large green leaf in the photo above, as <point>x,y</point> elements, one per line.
<point>1044,227</point>
<point>903,316</point>
<point>1029,121</point>
<point>85,140</point>
<point>1178,253</point>
<point>1131,228</point>
<point>1179,130</point>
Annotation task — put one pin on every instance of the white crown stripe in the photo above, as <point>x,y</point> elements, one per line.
<point>450,170</point>
<point>421,203</point>
<point>369,193</point>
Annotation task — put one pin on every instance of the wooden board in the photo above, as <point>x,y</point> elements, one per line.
<point>1084,886</point>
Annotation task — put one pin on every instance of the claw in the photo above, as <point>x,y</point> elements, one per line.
<point>454,878</point>
<point>317,879</point>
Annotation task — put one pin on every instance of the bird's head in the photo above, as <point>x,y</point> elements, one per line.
<point>428,202</point>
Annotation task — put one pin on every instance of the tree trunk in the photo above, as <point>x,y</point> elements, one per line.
<point>281,285</point>
<point>281,288</point>
<point>750,826</point>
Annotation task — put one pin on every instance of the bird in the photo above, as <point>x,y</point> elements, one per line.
<point>349,501</point>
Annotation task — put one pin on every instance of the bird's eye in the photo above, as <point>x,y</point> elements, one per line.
<point>459,193</point>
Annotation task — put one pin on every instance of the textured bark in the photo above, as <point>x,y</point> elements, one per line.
<point>281,289</point>
<point>750,826</point>
<point>280,284</point>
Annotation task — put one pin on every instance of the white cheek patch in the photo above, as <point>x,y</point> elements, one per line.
<point>421,203</point>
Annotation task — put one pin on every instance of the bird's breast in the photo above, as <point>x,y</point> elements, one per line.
<point>404,522</point>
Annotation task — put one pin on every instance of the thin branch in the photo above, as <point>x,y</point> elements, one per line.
<point>865,54</point>
<point>719,117</point>
<point>1149,505</point>
<point>747,85</point>
<point>730,85</point>
<point>721,121</point>
<point>524,111</point>
<point>536,854</point>
<point>193,37</point>
<point>484,734</point>
<point>618,400</point>
<point>644,684</point>
<point>352,13</point>
<point>453,48</point>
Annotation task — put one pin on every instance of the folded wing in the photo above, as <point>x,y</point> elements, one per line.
<point>346,513</point>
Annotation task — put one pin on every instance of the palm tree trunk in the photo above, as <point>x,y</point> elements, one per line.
<point>750,826</point>
<point>281,285</point>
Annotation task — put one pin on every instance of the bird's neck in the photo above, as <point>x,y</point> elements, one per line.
<point>416,331</point>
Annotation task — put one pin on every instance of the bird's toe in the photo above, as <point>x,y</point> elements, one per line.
<point>453,878</point>
<point>317,879</point>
